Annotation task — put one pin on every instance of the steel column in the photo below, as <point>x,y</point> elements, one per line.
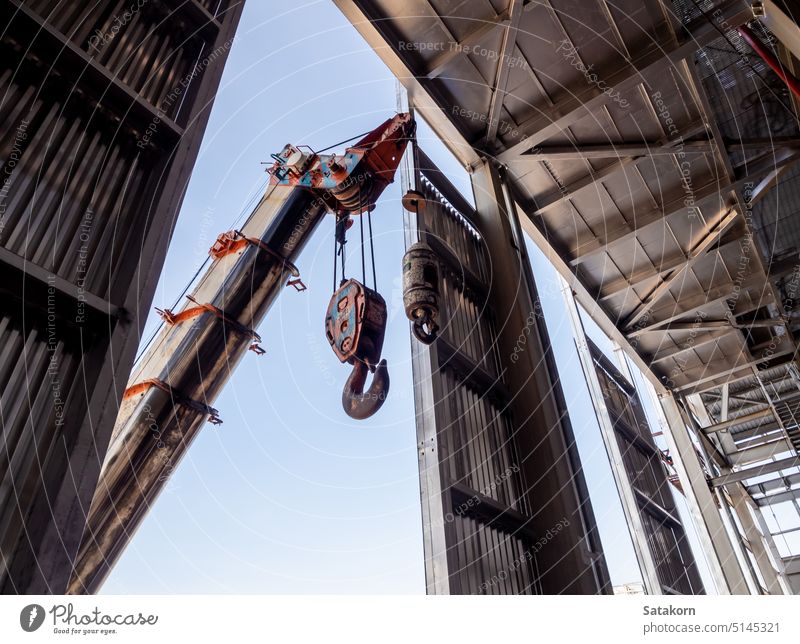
<point>548,454</point>
<point>714,539</point>
<point>40,538</point>
<point>630,505</point>
<point>759,541</point>
<point>432,499</point>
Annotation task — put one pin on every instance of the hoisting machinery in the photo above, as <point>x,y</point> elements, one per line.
<point>182,372</point>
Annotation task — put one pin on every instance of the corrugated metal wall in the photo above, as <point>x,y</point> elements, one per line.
<point>672,555</point>
<point>482,534</point>
<point>103,106</point>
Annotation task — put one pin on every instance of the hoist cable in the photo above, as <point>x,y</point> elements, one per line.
<point>335,245</point>
<point>244,209</point>
<point>361,225</point>
<point>372,251</point>
<point>341,245</point>
<point>336,145</point>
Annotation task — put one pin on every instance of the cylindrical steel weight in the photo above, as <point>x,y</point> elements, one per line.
<point>421,291</point>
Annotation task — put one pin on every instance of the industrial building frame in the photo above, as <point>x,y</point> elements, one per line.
<point>650,153</point>
<point>505,505</point>
<point>645,168</point>
<point>131,105</point>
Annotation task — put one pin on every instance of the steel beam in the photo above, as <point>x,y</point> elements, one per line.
<point>457,49</point>
<point>761,143</point>
<point>781,497</point>
<point>627,232</point>
<point>693,343</point>
<point>627,494</point>
<point>747,437</point>
<point>744,201</point>
<point>758,470</point>
<point>582,102</point>
<point>724,402</point>
<point>705,325</point>
<point>423,93</point>
<point>758,542</point>
<point>201,18</point>
<point>23,279</point>
<point>503,69</point>
<point>756,453</point>
<point>68,57</point>
<point>699,250</point>
<point>434,505</point>
<point>751,171</point>
<point>54,513</point>
<point>714,539</point>
<point>780,483</point>
<point>622,162</point>
<point>545,441</point>
<point>695,378</point>
<point>738,420</point>
<point>613,150</point>
<point>695,304</point>
<point>452,39</point>
<point>664,267</point>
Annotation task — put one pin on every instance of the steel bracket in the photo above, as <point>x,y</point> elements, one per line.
<point>176,318</point>
<point>178,397</point>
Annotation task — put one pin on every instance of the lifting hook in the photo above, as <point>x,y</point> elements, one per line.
<point>355,325</point>
<point>421,291</point>
<point>360,404</point>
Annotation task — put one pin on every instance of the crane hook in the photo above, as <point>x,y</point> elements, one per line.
<point>425,328</point>
<point>359,404</point>
<point>421,291</point>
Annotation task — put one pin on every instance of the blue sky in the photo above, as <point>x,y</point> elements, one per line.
<point>289,495</point>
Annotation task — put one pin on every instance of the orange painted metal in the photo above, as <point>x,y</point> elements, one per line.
<point>142,387</point>
<point>192,312</point>
<point>233,241</point>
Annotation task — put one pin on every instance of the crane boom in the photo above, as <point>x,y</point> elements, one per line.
<point>170,392</point>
